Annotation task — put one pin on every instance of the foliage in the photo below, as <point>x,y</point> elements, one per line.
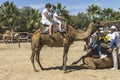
<point>93,11</point>
<point>80,21</point>
<point>9,14</point>
<point>106,14</point>
<point>27,18</point>
<point>30,18</point>
<point>63,11</point>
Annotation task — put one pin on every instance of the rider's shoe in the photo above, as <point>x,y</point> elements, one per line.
<point>114,68</point>
<point>103,56</point>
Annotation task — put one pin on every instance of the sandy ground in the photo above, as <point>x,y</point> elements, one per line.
<point>15,64</point>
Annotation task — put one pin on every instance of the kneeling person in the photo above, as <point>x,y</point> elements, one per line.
<point>94,43</point>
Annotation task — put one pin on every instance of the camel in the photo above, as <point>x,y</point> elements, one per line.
<point>38,40</point>
<point>90,62</point>
<point>8,35</point>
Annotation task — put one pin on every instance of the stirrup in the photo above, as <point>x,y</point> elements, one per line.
<point>61,31</point>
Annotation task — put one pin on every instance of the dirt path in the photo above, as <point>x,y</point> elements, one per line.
<point>15,64</point>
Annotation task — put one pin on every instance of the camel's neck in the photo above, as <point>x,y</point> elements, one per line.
<point>81,35</point>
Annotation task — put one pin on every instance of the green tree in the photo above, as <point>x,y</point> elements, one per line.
<point>63,10</point>
<point>80,21</point>
<point>72,20</point>
<point>83,20</point>
<point>9,14</point>
<point>30,18</point>
<point>106,13</point>
<point>93,11</point>
<point>115,15</point>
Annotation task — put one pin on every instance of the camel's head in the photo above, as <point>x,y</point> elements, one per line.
<point>97,25</point>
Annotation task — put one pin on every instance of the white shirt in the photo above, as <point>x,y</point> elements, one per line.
<point>94,38</point>
<point>43,12</point>
<point>109,35</point>
<point>44,19</point>
<point>116,37</point>
<point>55,17</point>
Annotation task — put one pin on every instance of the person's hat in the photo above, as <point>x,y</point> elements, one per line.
<point>101,31</point>
<point>113,27</point>
<point>57,10</point>
<point>109,31</point>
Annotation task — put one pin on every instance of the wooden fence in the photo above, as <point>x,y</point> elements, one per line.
<point>24,37</point>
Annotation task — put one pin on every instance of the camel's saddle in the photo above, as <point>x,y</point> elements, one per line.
<point>44,27</point>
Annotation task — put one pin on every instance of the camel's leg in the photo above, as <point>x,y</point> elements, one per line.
<point>65,53</point>
<point>32,59</point>
<point>38,55</point>
<point>84,66</point>
<point>18,39</point>
<point>90,62</point>
<point>4,40</point>
<point>82,58</point>
<point>77,61</point>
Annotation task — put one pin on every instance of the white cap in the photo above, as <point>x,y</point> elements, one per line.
<point>101,31</point>
<point>109,31</point>
<point>113,27</point>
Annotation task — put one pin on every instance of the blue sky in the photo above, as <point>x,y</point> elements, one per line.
<point>73,6</point>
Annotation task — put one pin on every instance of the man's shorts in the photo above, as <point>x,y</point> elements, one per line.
<point>46,22</point>
<point>57,21</point>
